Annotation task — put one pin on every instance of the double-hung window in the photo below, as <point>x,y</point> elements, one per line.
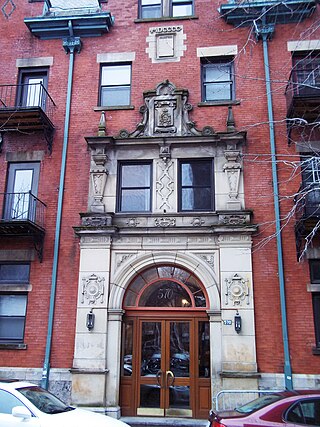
<point>134,191</point>
<point>314,265</point>
<point>115,88</point>
<point>165,8</point>
<point>217,80</point>
<point>196,187</point>
<point>13,303</point>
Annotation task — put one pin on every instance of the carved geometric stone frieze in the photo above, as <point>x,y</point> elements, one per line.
<point>237,290</point>
<point>92,289</point>
<point>133,222</point>
<point>233,219</point>
<point>96,221</point>
<point>165,222</point>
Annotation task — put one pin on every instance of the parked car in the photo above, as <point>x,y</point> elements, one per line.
<point>291,408</point>
<point>26,404</point>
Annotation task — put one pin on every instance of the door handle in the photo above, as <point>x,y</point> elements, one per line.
<point>159,378</point>
<point>169,378</point>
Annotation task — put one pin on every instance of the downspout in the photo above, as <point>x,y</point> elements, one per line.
<point>71,45</point>
<point>266,31</point>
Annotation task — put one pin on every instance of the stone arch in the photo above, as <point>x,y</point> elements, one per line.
<point>194,263</point>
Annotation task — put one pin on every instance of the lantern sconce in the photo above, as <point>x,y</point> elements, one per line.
<point>90,320</point>
<point>237,322</point>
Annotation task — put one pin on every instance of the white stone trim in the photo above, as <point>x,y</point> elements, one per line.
<point>228,50</point>
<point>45,61</point>
<point>116,57</point>
<point>303,45</point>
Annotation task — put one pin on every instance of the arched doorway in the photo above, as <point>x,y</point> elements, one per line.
<point>165,368</point>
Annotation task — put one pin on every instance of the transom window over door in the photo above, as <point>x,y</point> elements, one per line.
<point>134,193</point>
<point>196,189</point>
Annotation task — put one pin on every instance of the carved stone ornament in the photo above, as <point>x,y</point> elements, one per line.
<point>96,221</point>
<point>99,176</point>
<point>166,113</point>
<point>233,219</point>
<point>92,289</point>
<point>197,222</point>
<point>133,222</point>
<point>232,168</point>
<point>164,185</point>
<point>165,222</point>
<point>237,290</point>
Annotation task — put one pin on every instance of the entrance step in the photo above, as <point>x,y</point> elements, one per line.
<point>163,422</point>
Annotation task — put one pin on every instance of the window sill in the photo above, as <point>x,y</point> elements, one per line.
<point>114,107</point>
<point>219,103</point>
<point>316,351</point>
<point>11,346</point>
<point>166,18</point>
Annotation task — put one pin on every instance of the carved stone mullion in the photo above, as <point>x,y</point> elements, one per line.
<point>98,174</point>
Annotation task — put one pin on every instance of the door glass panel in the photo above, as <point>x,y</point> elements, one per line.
<point>34,92</point>
<point>150,348</point>
<point>165,293</point>
<point>179,349</point>
<point>149,396</point>
<point>179,396</point>
<point>127,349</point>
<point>204,350</point>
<point>20,200</point>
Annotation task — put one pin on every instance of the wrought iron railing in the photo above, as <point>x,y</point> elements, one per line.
<point>303,82</point>
<point>26,96</point>
<point>23,207</point>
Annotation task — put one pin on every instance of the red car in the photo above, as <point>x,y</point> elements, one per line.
<point>291,408</point>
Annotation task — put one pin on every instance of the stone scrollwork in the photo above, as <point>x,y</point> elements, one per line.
<point>237,290</point>
<point>92,289</point>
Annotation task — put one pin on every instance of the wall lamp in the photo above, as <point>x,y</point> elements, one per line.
<point>90,320</point>
<point>237,322</point>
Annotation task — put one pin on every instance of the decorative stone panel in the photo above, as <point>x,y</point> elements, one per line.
<point>166,44</point>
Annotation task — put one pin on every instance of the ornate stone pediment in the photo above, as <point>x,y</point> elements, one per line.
<point>166,113</point>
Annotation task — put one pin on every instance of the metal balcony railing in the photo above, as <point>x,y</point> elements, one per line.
<point>26,97</point>
<point>303,82</point>
<point>308,203</point>
<point>23,207</point>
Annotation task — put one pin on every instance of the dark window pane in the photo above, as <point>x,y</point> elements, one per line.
<point>196,174</point>
<point>14,273</point>
<point>196,199</point>
<point>314,265</point>
<point>311,411</point>
<point>316,314</point>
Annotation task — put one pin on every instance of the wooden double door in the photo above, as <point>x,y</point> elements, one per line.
<point>166,369</point>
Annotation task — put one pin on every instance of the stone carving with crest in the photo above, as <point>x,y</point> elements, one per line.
<point>166,113</point>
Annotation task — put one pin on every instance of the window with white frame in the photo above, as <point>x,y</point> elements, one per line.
<point>217,79</point>
<point>152,9</point>
<point>115,87</point>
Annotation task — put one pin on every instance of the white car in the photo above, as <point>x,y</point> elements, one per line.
<point>25,404</point>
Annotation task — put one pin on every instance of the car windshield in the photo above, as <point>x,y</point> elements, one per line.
<point>259,403</point>
<point>43,400</point>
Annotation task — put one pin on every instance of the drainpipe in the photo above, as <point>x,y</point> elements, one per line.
<point>266,31</point>
<point>71,45</point>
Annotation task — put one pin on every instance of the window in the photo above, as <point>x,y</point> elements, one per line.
<point>217,80</point>
<point>115,87</point>
<point>310,167</point>
<point>196,185</point>
<point>135,187</point>
<point>22,180</point>
<point>316,316</point>
<point>165,8</point>
<point>8,402</point>
<point>13,302</point>
<point>32,88</point>
<point>12,317</point>
<point>306,72</point>
<point>306,412</point>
